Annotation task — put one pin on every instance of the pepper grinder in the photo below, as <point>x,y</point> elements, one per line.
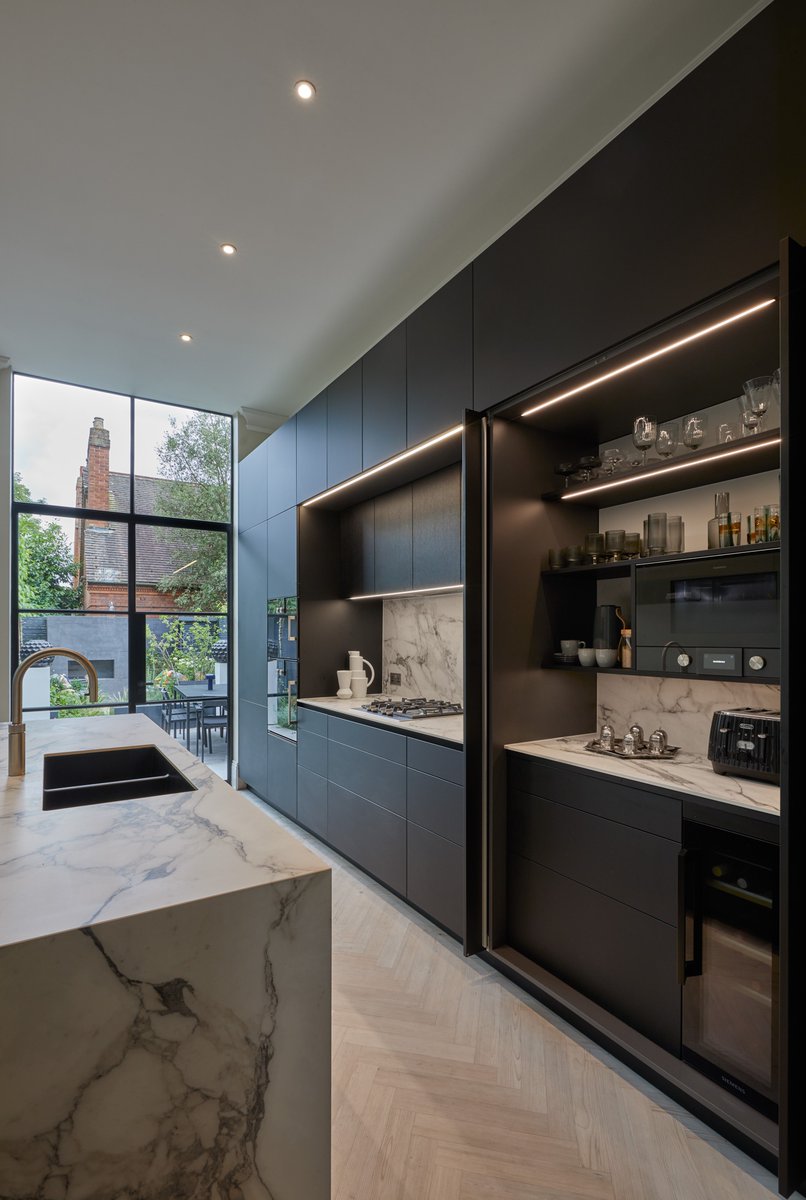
<point>628,745</point>
<point>606,736</point>
<point>638,735</point>
<point>658,743</point>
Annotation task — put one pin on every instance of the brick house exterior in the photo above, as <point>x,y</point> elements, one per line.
<point>101,547</point>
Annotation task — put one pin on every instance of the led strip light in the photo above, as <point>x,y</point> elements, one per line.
<point>446,587</point>
<point>680,466</point>
<point>384,466</point>
<point>639,362</point>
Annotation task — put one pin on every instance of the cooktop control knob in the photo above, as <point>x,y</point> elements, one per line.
<point>756,662</point>
<point>684,660</point>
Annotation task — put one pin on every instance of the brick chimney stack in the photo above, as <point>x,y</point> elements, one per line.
<point>98,466</point>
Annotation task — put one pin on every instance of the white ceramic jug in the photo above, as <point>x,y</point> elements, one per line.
<point>357,664</point>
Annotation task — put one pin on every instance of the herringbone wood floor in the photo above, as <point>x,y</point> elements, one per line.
<point>450,1084</point>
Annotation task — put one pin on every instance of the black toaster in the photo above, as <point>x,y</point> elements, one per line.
<point>746,741</point>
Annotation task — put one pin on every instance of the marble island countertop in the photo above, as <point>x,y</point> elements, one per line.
<point>71,868</point>
<point>446,729</point>
<point>690,774</point>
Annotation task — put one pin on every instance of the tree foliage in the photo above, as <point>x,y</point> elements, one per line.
<point>195,462</point>
<point>47,570</point>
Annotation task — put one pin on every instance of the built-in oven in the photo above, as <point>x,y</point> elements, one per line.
<point>714,615</point>
<point>729,963</point>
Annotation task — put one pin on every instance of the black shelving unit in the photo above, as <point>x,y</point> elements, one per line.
<point>615,570</point>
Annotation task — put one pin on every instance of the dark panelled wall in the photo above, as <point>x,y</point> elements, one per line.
<point>693,196</point>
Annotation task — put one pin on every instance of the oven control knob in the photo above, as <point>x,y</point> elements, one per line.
<point>756,662</point>
<point>684,660</point>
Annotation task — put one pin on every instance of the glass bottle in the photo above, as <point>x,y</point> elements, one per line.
<point>625,649</point>
<point>721,509</point>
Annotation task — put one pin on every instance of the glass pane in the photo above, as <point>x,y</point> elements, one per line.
<point>203,729</point>
<point>186,657</point>
<point>71,445</point>
<point>57,681</point>
<point>183,462</point>
<point>181,570</point>
<point>70,564</point>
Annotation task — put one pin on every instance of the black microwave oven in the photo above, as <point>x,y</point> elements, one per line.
<point>715,615</point>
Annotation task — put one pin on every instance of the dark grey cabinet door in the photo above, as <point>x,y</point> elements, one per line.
<point>439,360</point>
<point>435,877</point>
<point>281,774</point>
<point>252,488</point>
<point>344,437</point>
<point>281,468</point>
<point>372,837</point>
<point>384,398</point>
<point>312,448</point>
<point>437,529</point>
<point>253,737</point>
<point>393,541</point>
<point>281,554</point>
<point>623,959</point>
<point>252,626</point>
<point>358,549</point>
<point>312,801</point>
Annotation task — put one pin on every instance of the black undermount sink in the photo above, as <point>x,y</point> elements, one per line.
<point>100,776</point>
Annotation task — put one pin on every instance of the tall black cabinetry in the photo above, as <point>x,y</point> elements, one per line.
<point>384,398</point>
<point>439,360</point>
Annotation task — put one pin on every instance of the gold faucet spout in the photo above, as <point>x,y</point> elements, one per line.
<point>16,730</point>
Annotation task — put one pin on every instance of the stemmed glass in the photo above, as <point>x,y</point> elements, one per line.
<point>668,438</point>
<point>757,397</point>
<point>644,433</point>
<point>612,460</point>
<point>695,430</point>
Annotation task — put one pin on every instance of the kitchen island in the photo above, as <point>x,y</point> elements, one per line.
<point>164,989</point>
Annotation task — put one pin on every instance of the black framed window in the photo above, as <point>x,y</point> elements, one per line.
<point>122,549</point>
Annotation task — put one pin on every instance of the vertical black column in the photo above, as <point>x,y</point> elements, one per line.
<point>475,655</point>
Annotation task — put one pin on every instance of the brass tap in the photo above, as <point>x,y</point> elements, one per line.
<point>16,730</point>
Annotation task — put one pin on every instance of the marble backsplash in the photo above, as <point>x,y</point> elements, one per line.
<point>422,640</point>
<point>683,707</point>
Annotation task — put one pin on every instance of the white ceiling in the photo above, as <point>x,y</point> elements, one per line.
<point>135,135</point>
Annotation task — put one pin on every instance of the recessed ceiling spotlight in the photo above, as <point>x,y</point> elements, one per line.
<point>228,248</point>
<point>185,337</point>
<point>304,89</point>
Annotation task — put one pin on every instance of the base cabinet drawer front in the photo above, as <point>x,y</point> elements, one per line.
<point>633,806</point>
<point>312,801</point>
<point>311,720</point>
<point>385,743</point>
<point>626,864</point>
<point>435,879</point>
<point>372,837</point>
<point>441,761</point>
<point>312,752</point>
<point>373,778</point>
<point>437,805</point>
<point>622,959</point>
<point>281,786</point>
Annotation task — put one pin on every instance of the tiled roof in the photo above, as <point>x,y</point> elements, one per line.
<point>159,551</point>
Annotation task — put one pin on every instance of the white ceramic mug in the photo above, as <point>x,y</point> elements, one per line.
<point>606,658</point>
<point>344,692</point>
<point>358,685</point>
<point>569,647</point>
<point>587,658</point>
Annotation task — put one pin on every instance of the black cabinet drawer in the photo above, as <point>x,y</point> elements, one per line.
<point>437,760</point>
<point>437,805</point>
<point>627,864</point>
<point>435,877</point>
<point>386,743</point>
<point>312,801</point>
<point>312,720</point>
<point>281,784</point>
<point>621,958</point>
<point>374,778</point>
<point>596,794</point>
<point>372,837</point>
<point>312,751</point>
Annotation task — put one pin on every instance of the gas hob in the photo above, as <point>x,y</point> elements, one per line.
<point>414,708</point>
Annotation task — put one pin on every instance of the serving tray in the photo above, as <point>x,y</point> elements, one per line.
<point>617,749</point>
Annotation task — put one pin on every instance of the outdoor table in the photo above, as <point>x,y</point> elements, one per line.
<point>195,690</point>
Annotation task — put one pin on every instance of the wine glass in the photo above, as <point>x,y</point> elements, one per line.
<point>695,430</point>
<point>612,460</point>
<point>587,467</point>
<point>566,469</point>
<point>668,439</point>
<point>644,433</point>
<point>757,396</point>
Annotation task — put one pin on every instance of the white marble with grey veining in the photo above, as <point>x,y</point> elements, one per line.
<point>449,729</point>
<point>691,774</point>
<point>164,991</point>
<point>683,707</point>
<point>423,641</point>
